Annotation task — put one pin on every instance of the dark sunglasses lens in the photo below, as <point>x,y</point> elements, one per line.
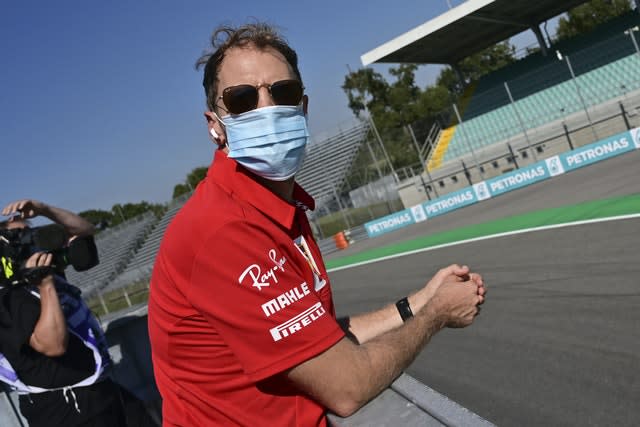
<point>240,99</point>
<point>287,92</point>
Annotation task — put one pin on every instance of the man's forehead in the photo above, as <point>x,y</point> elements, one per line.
<point>250,61</point>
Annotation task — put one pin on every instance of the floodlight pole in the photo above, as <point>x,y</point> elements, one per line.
<point>384,150</point>
<point>120,212</point>
<point>422,161</point>
<point>415,144</point>
<point>337,197</point>
<point>575,82</point>
<point>524,130</point>
<point>375,160</point>
<point>473,153</point>
<point>630,32</point>
<point>375,131</point>
<point>541,41</point>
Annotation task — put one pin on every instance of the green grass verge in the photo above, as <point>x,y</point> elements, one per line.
<point>616,206</point>
<point>115,300</point>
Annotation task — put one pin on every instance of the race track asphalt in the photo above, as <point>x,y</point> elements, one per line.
<point>558,340</point>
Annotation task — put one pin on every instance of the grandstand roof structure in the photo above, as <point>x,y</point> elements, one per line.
<point>466,29</point>
<point>329,162</point>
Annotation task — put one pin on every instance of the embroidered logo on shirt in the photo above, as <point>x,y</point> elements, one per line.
<point>298,322</point>
<point>284,299</point>
<point>304,249</point>
<point>259,279</point>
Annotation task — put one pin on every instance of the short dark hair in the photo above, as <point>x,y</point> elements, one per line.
<point>259,35</point>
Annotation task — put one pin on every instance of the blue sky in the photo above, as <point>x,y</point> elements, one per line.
<point>100,102</point>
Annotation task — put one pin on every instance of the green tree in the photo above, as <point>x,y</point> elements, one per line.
<point>196,175</point>
<point>476,66</point>
<point>179,190</point>
<point>402,102</point>
<point>365,89</point>
<point>127,211</point>
<point>404,96</point>
<point>120,212</point>
<point>100,218</point>
<point>395,104</point>
<point>191,182</point>
<point>588,16</point>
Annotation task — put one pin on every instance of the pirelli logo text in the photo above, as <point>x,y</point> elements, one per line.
<point>295,324</point>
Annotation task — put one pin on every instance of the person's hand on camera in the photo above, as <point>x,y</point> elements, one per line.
<point>41,259</point>
<point>27,208</point>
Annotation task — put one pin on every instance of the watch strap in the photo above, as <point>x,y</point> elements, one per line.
<point>404,309</point>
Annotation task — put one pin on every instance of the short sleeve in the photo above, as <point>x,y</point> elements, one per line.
<point>257,290</point>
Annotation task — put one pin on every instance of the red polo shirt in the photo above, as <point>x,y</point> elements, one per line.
<point>239,293</point>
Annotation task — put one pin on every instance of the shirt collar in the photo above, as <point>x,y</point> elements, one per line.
<point>234,178</point>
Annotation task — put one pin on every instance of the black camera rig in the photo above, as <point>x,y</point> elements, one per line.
<point>18,244</point>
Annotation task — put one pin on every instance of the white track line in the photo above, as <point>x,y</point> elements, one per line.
<point>490,236</point>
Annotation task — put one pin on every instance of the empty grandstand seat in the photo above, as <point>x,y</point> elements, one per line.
<point>328,162</point>
<point>141,263</point>
<point>115,247</point>
<point>604,62</point>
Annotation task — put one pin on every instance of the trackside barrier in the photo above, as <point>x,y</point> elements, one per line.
<point>536,172</point>
<point>409,403</point>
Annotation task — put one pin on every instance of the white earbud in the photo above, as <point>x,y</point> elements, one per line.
<point>214,134</point>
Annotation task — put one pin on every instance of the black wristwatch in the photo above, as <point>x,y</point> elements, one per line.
<point>404,309</point>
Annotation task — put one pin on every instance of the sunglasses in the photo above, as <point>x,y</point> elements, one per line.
<point>242,98</point>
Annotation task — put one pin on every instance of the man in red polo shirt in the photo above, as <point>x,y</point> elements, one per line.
<point>241,318</point>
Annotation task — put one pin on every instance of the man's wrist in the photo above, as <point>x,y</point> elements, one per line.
<point>47,282</point>
<point>434,314</point>
<point>418,299</point>
<point>44,210</point>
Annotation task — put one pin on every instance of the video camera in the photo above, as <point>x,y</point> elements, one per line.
<point>18,244</point>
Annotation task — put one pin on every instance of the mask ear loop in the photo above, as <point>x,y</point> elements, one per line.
<point>216,139</point>
<point>214,134</point>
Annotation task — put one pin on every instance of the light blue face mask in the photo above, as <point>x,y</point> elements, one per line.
<point>269,141</point>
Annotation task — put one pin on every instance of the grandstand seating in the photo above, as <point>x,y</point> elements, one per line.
<point>141,264</point>
<point>604,62</point>
<point>536,72</point>
<point>328,162</point>
<point>115,248</point>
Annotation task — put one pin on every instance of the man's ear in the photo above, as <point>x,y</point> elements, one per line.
<point>215,129</point>
<point>305,104</point>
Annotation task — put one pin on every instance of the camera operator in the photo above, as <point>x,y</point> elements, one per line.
<point>52,349</point>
